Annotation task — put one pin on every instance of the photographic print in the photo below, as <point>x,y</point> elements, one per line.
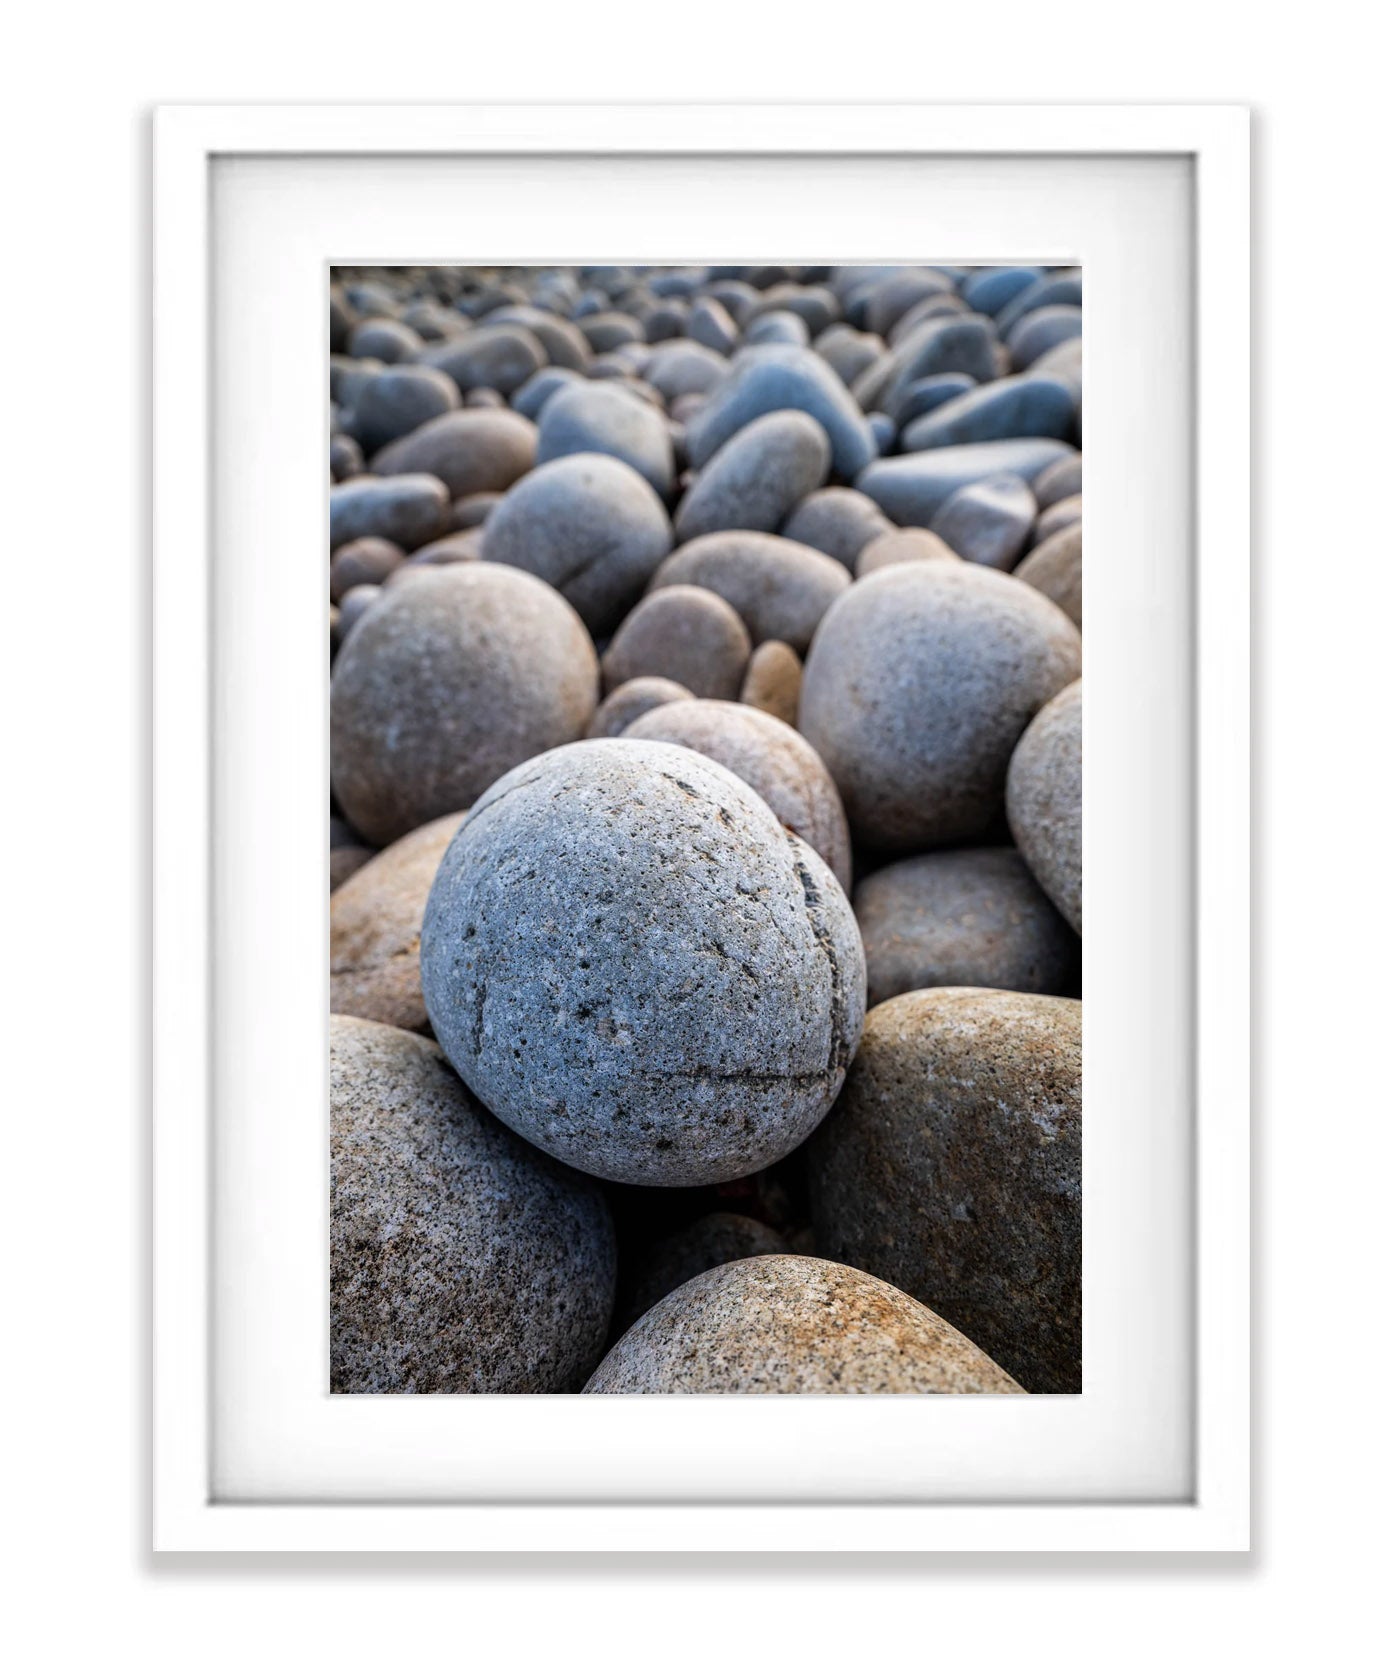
<point>705,834</point>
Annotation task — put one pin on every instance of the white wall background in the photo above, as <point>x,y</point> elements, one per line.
<point>73,610</point>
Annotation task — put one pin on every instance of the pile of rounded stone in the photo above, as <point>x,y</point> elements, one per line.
<point>705,839</point>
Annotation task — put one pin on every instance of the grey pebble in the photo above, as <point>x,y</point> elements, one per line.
<point>691,635</point>
<point>1056,568</point>
<point>605,418</point>
<point>756,478</point>
<point>791,1324</point>
<point>1069,510</point>
<point>952,1162</point>
<point>472,450</point>
<point>773,682</point>
<point>912,488</point>
<point>384,341</point>
<point>458,673</point>
<point>462,1261</point>
<point>1045,801</point>
<point>1060,479</point>
<point>920,681</point>
<point>963,918</point>
<point>1022,406</point>
<point>898,545</point>
<point>839,522</point>
<point>781,589</point>
<point>631,700</point>
<point>502,357</point>
<point>988,523</point>
<point>634,966</point>
<point>398,401</point>
<point>1043,330</point>
<point>591,526</point>
<point>408,509</point>
<point>363,560</point>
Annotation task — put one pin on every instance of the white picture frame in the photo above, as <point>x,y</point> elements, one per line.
<point>222,1481</point>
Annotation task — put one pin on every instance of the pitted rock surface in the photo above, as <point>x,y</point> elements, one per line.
<point>951,1167</point>
<point>787,1324</point>
<point>633,965</point>
<point>462,1260</point>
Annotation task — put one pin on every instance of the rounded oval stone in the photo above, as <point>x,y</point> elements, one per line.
<point>988,523</point>
<point>838,521</point>
<point>772,758</point>
<point>384,341</point>
<point>409,509</point>
<point>1043,330</point>
<point>690,635</point>
<point>682,369</point>
<point>897,546</point>
<point>589,525</point>
<point>952,1164</point>
<point>778,376</point>
<point>462,1260</point>
<point>773,682</point>
<point>1069,510</point>
<point>633,965</point>
<point>531,397</point>
<point>757,477</point>
<point>1023,406</point>
<point>778,326</point>
<point>912,488</point>
<point>710,324</point>
<point>780,588</point>
<point>963,918</point>
<point>609,329</point>
<point>398,401</point>
<point>790,1324</point>
<point>1045,800</point>
<point>472,450</point>
<point>457,674</point>
<point>363,560</point>
<point>376,924</point>
<point>710,1241</point>
<point>920,681</point>
<point>1055,568</point>
<point>502,357</point>
<point>595,417</point>
<point>353,605</point>
<point>631,700</point>
<point>1060,479</point>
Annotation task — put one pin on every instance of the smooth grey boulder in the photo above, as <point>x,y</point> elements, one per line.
<point>963,918</point>
<point>589,525</point>
<point>595,417</point>
<point>919,683</point>
<point>1041,331</point>
<point>462,1261</point>
<point>757,477</point>
<point>838,521</point>
<point>682,369</point>
<point>1022,406</point>
<point>792,1324</point>
<point>946,344</point>
<point>634,966</point>
<point>1048,289</point>
<point>988,522</point>
<point>562,342</point>
<point>456,674</point>
<point>952,1162</point>
<point>502,358</point>
<point>1055,567</point>
<point>384,340</point>
<point>398,401</point>
<point>408,509</point>
<point>772,758</point>
<point>989,290</point>
<point>609,329</point>
<point>783,376</point>
<point>472,450</point>
<point>692,636</point>
<point>1045,801</point>
<point>709,323</point>
<point>912,488</point>
<point>781,589</point>
<point>633,699</point>
<point>849,352</point>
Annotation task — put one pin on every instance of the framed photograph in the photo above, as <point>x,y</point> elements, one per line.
<point>781,1077</point>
